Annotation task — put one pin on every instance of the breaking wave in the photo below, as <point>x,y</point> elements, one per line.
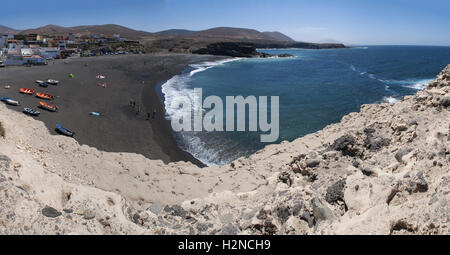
<point>390,100</point>
<point>178,87</point>
<point>416,84</point>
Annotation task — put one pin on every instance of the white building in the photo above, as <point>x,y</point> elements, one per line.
<point>49,53</point>
<point>14,60</point>
<point>26,52</point>
<point>35,60</point>
<point>3,40</point>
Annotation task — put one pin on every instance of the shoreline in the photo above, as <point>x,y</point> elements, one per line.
<point>119,129</point>
<point>382,170</point>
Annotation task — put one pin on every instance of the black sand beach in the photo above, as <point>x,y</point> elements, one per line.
<point>119,128</point>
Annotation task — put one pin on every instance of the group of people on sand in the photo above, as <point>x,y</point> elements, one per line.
<point>138,109</point>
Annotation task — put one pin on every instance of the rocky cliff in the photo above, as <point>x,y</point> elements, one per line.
<point>384,170</point>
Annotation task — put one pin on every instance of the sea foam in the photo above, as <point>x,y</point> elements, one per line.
<point>178,87</point>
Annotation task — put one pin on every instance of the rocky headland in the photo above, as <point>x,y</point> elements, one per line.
<point>235,49</point>
<point>383,170</point>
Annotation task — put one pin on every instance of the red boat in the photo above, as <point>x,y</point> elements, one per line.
<point>44,95</point>
<point>26,91</point>
<point>48,107</point>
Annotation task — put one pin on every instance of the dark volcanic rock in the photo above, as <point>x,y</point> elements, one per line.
<point>50,212</point>
<point>312,163</point>
<point>232,49</point>
<point>399,155</point>
<point>283,213</point>
<point>229,229</point>
<point>4,161</point>
<point>270,228</point>
<point>445,101</point>
<point>335,192</point>
<point>285,177</point>
<point>308,218</point>
<point>419,184</point>
<point>376,143</point>
<point>345,145</point>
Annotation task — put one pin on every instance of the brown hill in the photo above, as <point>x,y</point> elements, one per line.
<point>107,30</point>
<point>278,36</point>
<point>233,33</point>
<point>175,32</point>
<point>7,30</point>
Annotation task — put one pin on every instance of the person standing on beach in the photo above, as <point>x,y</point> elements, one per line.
<point>154,114</point>
<point>148,116</point>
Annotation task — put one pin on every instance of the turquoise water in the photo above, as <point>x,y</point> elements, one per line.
<point>315,88</point>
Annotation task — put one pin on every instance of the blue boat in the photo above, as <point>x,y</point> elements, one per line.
<point>43,84</point>
<point>31,112</point>
<point>9,101</point>
<point>64,131</point>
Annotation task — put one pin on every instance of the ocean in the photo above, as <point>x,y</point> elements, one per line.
<point>315,88</point>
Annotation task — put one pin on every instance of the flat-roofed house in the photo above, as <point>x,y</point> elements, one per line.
<point>14,59</point>
<point>3,40</point>
<point>49,53</point>
<point>34,38</point>
<point>35,60</point>
<point>26,52</point>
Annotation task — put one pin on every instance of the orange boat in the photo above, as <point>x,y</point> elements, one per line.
<point>44,95</point>
<point>26,91</point>
<point>48,107</point>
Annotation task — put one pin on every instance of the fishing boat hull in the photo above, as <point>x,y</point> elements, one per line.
<point>52,82</point>
<point>31,112</point>
<point>64,131</point>
<point>44,96</point>
<point>26,91</point>
<point>48,107</point>
<point>12,102</point>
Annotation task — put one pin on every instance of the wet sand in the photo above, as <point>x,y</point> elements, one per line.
<point>120,128</point>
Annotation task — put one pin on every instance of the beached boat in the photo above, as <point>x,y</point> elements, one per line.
<point>48,107</point>
<point>26,91</point>
<point>44,96</point>
<point>12,102</point>
<point>64,131</point>
<point>31,112</point>
<point>52,82</point>
<point>43,84</point>
<point>39,81</point>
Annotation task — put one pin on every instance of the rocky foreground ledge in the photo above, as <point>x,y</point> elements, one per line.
<point>384,170</point>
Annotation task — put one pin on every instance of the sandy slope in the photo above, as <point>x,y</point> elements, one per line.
<point>384,170</point>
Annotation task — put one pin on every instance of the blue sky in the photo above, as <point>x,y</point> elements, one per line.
<point>349,21</point>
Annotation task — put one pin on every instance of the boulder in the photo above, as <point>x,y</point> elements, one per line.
<point>51,212</point>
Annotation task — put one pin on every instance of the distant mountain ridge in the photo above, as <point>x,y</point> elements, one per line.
<point>279,36</point>
<point>108,29</point>
<point>174,32</point>
<point>218,40</point>
<point>228,33</point>
<point>7,30</point>
<point>241,34</point>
